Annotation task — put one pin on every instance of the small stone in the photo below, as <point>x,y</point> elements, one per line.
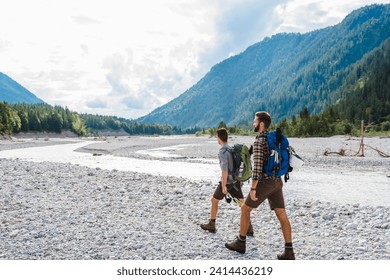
<point>385,226</point>
<point>328,217</point>
<point>363,249</point>
<point>315,214</point>
<point>352,226</point>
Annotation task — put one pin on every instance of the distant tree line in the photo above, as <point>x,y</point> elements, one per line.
<point>233,130</point>
<point>15,118</point>
<point>95,123</point>
<point>325,124</point>
<point>328,123</point>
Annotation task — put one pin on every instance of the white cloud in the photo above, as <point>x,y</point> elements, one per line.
<point>96,103</point>
<point>241,24</point>
<point>125,58</point>
<point>307,15</point>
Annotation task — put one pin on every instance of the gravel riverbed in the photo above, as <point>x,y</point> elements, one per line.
<point>66,211</point>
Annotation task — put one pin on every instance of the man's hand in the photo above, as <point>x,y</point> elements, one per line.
<point>224,181</point>
<point>224,190</point>
<point>253,195</point>
<point>253,190</point>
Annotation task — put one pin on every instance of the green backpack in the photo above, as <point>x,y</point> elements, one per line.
<point>242,166</point>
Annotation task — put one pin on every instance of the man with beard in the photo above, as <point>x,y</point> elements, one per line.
<point>263,187</point>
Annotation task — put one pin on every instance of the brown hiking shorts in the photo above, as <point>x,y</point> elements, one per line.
<point>270,189</point>
<point>234,189</point>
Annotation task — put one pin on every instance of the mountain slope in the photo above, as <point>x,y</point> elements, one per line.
<point>282,74</point>
<point>367,89</point>
<point>12,92</point>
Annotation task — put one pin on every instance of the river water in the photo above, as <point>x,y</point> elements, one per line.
<point>333,185</point>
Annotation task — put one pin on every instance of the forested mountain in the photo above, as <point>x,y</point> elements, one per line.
<point>283,74</point>
<point>366,91</point>
<point>365,96</point>
<point>13,92</point>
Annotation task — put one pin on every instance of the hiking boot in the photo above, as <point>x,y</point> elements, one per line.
<point>238,245</point>
<point>210,226</point>
<point>288,254</point>
<point>250,230</point>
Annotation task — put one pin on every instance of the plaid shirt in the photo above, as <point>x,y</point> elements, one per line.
<point>260,155</point>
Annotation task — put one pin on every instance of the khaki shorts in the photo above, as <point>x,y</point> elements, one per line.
<point>234,189</point>
<point>270,189</point>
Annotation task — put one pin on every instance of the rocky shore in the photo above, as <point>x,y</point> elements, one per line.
<point>68,211</point>
<point>63,211</point>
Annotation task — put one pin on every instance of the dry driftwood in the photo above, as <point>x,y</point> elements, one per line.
<point>382,154</point>
<point>341,152</point>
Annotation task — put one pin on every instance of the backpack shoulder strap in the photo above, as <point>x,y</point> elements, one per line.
<point>279,136</point>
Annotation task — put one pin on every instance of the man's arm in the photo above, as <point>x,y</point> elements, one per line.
<point>257,161</point>
<point>225,174</point>
<point>224,162</point>
<point>257,167</point>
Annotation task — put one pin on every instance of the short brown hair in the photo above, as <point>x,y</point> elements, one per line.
<point>222,134</point>
<point>265,118</point>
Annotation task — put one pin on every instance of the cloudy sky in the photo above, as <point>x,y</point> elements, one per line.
<point>125,58</point>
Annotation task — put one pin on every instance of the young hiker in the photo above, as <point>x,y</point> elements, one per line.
<point>263,187</point>
<point>226,184</point>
